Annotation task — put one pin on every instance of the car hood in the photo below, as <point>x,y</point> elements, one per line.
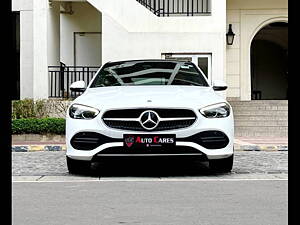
<point>149,96</point>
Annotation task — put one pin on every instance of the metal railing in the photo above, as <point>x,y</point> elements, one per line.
<point>61,77</point>
<point>178,7</point>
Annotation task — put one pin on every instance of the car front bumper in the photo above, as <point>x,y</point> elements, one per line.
<point>224,125</point>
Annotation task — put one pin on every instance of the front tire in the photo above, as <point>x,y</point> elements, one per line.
<point>221,165</point>
<point>78,166</point>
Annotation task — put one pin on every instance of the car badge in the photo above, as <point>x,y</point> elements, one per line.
<point>149,120</point>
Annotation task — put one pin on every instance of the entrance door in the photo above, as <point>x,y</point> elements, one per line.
<point>269,63</point>
<point>203,61</point>
<point>87,49</point>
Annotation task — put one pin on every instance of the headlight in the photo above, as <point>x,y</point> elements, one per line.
<point>77,111</point>
<point>219,110</point>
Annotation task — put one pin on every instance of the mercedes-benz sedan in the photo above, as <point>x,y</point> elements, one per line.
<point>149,108</point>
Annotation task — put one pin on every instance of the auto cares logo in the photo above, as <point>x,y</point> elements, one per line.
<point>149,120</point>
<point>129,141</point>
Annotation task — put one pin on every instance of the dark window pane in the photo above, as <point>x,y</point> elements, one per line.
<point>203,65</point>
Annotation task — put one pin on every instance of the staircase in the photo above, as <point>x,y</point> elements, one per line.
<point>260,118</point>
<point>178,7</point>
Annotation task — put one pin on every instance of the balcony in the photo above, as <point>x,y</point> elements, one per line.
<point>178,7</point>
<point>61,77</point>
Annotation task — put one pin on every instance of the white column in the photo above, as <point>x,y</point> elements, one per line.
<point>219,56</point>
<point>54,34</point>
<point>45,45</point>
<point>40,64</point>
<point>26,54</point>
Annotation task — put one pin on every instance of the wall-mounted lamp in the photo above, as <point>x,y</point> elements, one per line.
<point>230,35</point>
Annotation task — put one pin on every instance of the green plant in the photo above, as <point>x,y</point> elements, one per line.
<point>28,108</point>
<point>41,109</point>
<point>22,108</point>
<point>38,126</point>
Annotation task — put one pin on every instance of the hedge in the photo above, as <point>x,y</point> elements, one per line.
<point>38,126</point>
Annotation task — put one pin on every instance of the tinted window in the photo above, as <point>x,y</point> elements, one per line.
<point>149,73</point>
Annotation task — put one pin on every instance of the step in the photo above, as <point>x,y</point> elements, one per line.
<point>264,129</point>
<point>259,118</point>
<point>260,107</point>
<point>272,123</point>
<point>271,113</point>
<point>259,102</point>
<point>260,134</point>
<point>254,131</point>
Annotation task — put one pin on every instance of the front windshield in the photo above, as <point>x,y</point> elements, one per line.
<point>149,73</point>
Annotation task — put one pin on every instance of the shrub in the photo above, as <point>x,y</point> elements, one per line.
<point>38,126</point>
<point>28,108</point>
<point>58,108</point>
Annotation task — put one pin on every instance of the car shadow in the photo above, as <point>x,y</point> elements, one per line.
<point>154,167</point>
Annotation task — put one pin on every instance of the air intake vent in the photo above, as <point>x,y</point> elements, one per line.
<point>208,139</point>
<point>90,140</point>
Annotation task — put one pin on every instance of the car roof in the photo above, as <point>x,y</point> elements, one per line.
<point>149,60</point>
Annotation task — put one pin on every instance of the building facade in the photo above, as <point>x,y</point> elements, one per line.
<point>59,39</point>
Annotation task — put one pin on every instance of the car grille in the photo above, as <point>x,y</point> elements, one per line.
<point>169,119</point>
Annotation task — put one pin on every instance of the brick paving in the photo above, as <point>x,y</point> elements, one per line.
<point>54,164</point>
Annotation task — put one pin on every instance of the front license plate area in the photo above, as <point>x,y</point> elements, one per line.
<point>150,141</point>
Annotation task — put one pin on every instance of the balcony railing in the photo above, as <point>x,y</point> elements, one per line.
<point>61,77</point>
<point>178,7</point>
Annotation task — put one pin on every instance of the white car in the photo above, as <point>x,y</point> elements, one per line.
<point>149,108</point>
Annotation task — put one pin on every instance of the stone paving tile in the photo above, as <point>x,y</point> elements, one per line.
<point>39,163</point>
<point>53,163</point>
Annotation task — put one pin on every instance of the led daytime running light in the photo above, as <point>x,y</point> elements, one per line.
<point>220,110</point>
<point>78,111</point>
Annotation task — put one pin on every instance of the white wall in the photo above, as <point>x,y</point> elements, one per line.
<point>233,56</point>
<point>85,19</point>
<point>247,18</point>
<point>134,17</point>
<point>25,8</point>
<point>21,5</point>
<point>53,37</point>
<point>37,20</point>
<point>130,31</point>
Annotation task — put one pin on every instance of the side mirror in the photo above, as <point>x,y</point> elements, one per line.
<point>78,86</point>
<point>219,85</point>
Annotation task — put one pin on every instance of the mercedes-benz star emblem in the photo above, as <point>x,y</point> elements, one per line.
<point>149,120</point>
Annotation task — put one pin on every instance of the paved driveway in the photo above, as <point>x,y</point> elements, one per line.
<point>54,164</point>
<point>150,192</point>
